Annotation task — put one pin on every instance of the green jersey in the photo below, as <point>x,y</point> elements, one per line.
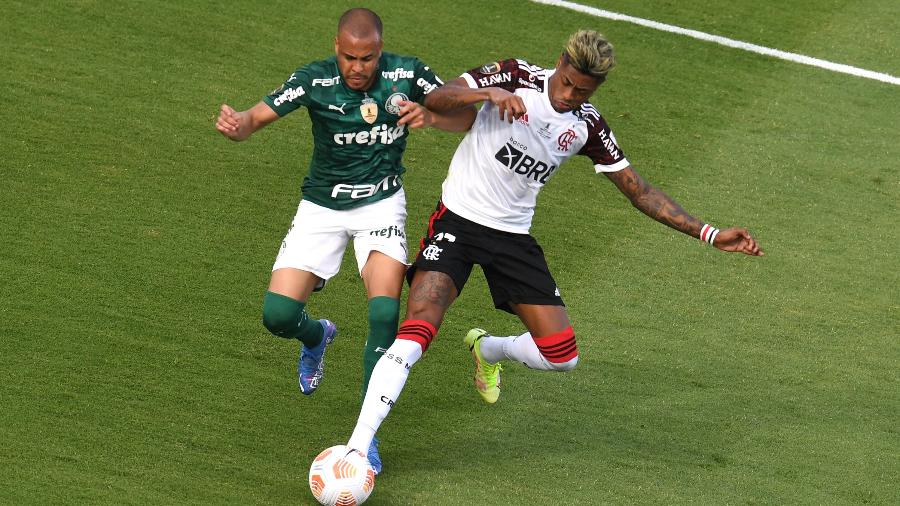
<point>358,146</point>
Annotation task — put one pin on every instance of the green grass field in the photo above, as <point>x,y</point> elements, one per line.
<point>136,243</point>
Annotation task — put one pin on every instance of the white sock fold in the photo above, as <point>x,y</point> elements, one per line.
<point>522,349</point>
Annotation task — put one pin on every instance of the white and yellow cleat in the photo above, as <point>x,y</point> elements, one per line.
<point>487,375</point>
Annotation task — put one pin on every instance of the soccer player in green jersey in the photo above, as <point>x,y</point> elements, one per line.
<point>362,103</point>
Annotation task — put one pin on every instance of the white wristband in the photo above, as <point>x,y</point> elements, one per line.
<point>708,233</point>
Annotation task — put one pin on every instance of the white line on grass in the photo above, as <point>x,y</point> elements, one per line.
<point>784,55</point>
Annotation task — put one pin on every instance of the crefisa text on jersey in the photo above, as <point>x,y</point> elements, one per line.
<point>397,73</point>
<point>379,133</point>
<point>389,232</point>
<point>288,95</point>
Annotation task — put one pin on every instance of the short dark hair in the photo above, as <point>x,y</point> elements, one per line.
<point>360,22</point>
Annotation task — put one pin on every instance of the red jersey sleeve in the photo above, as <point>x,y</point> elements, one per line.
<point>601,146</point>
<point>507,74</point>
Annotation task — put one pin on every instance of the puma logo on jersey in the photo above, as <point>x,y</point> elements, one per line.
<point>332,107</point>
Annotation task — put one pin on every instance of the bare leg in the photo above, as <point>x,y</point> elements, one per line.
<point>294,283</point>
<point>383,276</point>
<point>430,296</point>
<point>548,345</point>
<point>542,320</point>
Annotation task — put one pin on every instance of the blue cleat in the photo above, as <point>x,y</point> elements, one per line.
<point>311,366</point>
<point>374,457</point>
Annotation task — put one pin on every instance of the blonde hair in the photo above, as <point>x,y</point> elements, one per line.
<point>590,53</point>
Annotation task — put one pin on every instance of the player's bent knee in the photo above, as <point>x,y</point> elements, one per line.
<point>282,315</point>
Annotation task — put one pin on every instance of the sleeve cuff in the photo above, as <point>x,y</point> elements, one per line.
<point>469,80</point>
<point>616,167</point>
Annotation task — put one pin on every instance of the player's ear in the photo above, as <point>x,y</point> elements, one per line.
<point>336,45</point>
<point>560,60</point>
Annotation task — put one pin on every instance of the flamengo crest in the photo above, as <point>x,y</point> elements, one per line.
<point>566,139</point>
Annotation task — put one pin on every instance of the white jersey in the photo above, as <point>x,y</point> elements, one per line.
<point>499,168</point>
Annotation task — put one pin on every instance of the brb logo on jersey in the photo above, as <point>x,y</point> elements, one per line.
<point>512,155</point>
<point>566,139</point>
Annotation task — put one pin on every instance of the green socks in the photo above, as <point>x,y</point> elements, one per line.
<point>384,315</point>
<point>286,317</point>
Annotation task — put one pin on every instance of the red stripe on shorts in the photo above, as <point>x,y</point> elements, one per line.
<point>436,215</point>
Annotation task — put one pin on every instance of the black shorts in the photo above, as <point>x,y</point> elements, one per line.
<point>513,264</point>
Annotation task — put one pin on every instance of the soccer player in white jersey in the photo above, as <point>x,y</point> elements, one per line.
<point>533,119</point>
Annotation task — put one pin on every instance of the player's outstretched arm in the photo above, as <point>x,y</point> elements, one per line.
<point>418,116</point>
<point>238,126</point>
<point>457,94</point>
<point>656,204</point>
<point>738,240</point>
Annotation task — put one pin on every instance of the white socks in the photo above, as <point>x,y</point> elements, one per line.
<point>522,349</point>
<point>387,381</point>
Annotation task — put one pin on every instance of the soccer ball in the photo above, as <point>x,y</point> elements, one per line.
<point>341,476</point>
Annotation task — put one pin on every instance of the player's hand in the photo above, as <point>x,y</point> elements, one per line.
<point>509,105</point>
<point>738,240</point>
<point>415,115</point>
<point>229,122</point>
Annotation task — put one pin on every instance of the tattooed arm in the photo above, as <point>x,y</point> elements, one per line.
<point>457,94</point>
<point>654,202</point>
<point>659,206</point>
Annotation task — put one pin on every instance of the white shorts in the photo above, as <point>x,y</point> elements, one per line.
<point>318,236</point>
